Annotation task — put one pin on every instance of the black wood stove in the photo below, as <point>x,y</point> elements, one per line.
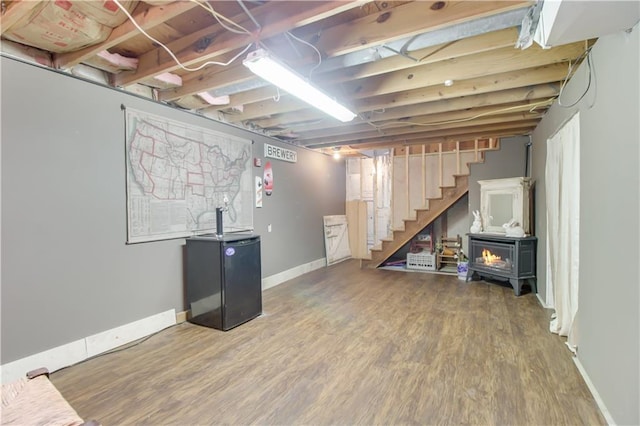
<point>503,258</point>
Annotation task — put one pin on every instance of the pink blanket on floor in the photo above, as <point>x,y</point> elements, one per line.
<point>36,401</point>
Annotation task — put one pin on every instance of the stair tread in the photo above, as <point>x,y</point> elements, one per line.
<point>400,236</point>
<point>425,215</point>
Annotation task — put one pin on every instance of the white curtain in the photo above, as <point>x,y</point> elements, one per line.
<point>562,176</point>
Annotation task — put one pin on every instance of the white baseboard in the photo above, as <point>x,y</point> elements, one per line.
<point>280,277</point>
<point>603,408</point>
<point>53,359</point>
<point>122,335</point>
<point>79,350</point>
<point>542,302</point>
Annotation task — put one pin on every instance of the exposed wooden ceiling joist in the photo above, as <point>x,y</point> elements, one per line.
<point>455,118</point>
<point>411,129</point>
<point>388,61</point>
<point>408,93</point>
<point>15,11</point>
<point>147,17</point>
<point>297,14</point>
<point>442,135</point>
<point>406,21</point>
<point>454,104</point>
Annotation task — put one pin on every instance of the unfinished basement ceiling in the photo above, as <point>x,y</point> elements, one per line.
<point>387,60</point>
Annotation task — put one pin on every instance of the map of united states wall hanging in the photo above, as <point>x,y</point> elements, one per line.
<point>177,174</point>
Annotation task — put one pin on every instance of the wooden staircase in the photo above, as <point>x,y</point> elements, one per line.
<point>424,217</point>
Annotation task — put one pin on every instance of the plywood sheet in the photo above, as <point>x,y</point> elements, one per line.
<point>356,213</point>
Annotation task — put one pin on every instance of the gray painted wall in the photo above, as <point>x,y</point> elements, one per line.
<point>609,294</point>
<point>509,161</point>
<point>66,271</point>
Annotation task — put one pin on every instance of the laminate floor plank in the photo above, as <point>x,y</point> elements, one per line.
<point>344,345</point>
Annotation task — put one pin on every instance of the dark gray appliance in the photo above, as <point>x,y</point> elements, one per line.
<point>224,282</point>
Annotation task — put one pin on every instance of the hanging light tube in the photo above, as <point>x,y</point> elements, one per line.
<point>266,67</point>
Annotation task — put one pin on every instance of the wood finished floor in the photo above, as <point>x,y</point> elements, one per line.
<point>344,346</point>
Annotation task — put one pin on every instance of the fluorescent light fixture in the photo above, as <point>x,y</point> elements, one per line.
<point>263,65</point>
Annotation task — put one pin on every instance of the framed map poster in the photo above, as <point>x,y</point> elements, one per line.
<point>178,174</point>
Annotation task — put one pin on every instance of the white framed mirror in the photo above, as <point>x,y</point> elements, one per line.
<point>502,200</point>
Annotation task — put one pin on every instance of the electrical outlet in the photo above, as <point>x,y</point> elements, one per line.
<point>269,228</point>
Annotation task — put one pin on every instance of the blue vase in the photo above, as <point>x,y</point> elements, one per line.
<point>463,268</point>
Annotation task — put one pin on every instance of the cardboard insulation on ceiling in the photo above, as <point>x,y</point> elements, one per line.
<point>64,26</point>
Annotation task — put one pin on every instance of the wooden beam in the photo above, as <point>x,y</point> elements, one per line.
<point>252,96</point>
<point>424,173</point>
<point>432,146</point>
<point>481,43</point>
<point>440,166</point>
<point>409,132</point>
<point>404,21</point>
<point>297,14</point>
<point>16,11</point>
<point>375,199</point>
<point>423,115</point>
<point>468,46</point>
<point>498,61</point>
<point>464,68</point>
<point>441,52</point>
<point>147,17</point>
<point>485,131</point>
<point>466,102</point>
<point>475,150</point>
<point>407,181</point>
<point>392,175</point>
<point>429,120</point>
<point>210,78</point>
<point>486,84</point>
<point>268,107</point>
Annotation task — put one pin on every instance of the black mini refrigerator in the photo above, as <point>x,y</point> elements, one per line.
<point>224,282</point>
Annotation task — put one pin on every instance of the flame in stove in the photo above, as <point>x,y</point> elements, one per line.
<point>489,257</point>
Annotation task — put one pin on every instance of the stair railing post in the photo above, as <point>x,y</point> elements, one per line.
<point>406,179</point>
<point>440,167</point>
<point>392,153</point>
<point>475,150</point>
<point>457,157</point>
<point>424,176</point>
<point>375,198</point>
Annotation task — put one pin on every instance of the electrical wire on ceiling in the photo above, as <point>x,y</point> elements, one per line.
<point>173,56</point>
<point>438,49</point>
<point>293,36</point>
<point>301,124</point>
<point>288,34</point>
<point>530,107</point>
<point>586,53</point>
<point>219,17</point>
<point>258,26</point>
